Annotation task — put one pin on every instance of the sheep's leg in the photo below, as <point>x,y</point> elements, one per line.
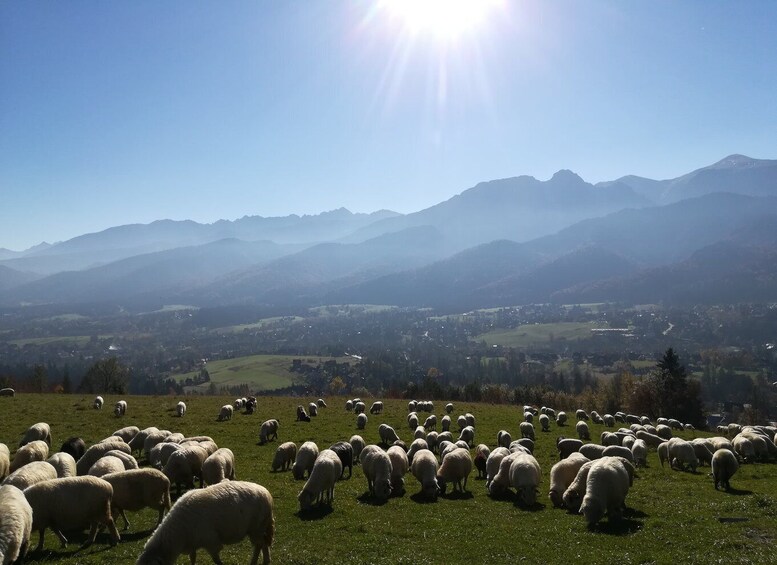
<point>40,541</point>
<point>126,522</point>
<point>193,557</point>
<point>92,535</point>
<point>214,554</point>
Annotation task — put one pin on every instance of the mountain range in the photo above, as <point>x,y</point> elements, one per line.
<point>705,236</point>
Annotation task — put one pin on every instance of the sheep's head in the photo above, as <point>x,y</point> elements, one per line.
<point>555,498</point>
<point>383,489</point>
<point>305,498</point>
<point>593,510</point>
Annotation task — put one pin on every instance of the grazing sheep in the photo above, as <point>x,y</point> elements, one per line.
<point>377,468</point>
<point>344,452</point>
<point>651,439</point>
<point>218,467</point>
<point>412,420</point>
<point>446,447</point>
<point>387,434</point>
<point>561,419</point>
<point>180,409</point>
<point>128,460</point>
<point>238,403</point>
<point>448,408</point>
<point>37,450</point>
<point>430,423</point>
<point>357,443</point>
<point>15,525</point>
<point>268,431</point>
<point>417,445</point>
<point>503,438</point>
<point>161,452</point>
<point>581,415</point>
<point>664,432</point>
<point>596,418</point>
<point>399,466</point>
<point>361,421</point>
<point>284,456</point>
<point>7,392</point>
<point>153,439</point>
<point>321,403</point>
<point>225,413</point>
<point>567,446</point>
<point>302,415</point>
<point>467,435</point>
<point>619,451</point>
<point>136,443</point>
<point>306,457</point>
<point>5,461</point>
<point>127,433</point>
<point>525,475</point>
<point>359,407</point>
<point>545,422</point>
<point>420,433</point>
<point>320,486</point>
<point>444,436</point>
<point>184,465</point>
<point>377,407</point>
<point>663,452</point>
<point>175,437</point>
<point>313,409</point>
<point>40,431</point>
<point>461,421</point>
<point>582,430</point>
<point>492,463</point>
<point>573,496</point>
<point>528,417</point>
<point>412,406</point>
<point>64,464</point>
<point>639,452</point>
<point>31,474</point>
<point>135,489</point>
<point>592,451</point>
<point>470,419</point>
<point>704,451</point>
<point>220,515</point>
<point>74,446</point>
<point>432,438</point>
<point>562,474</point>
<point>71,503</point>
<point>724,465</point>
<point>606,488</point>
<point>609,420</point>
<point>681,453</point>
<point>628,441</point>
<point>349,405</point>
<point>105,465</point>
<point>120,408</point>
<point>455,468</point>
<point>482,452</point>
<point>500,483</point>
<point>97,451</point>
<point>424,469</point>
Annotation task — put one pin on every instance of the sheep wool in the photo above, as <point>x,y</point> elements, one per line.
<point>40,431</point>
<point>31,474</point>
<point>481,458</point>
<point>127,433</point>
<point>268,431</point>
<point>5,461</point>
<point>97,451</point>
<point>15,524</point>
<point>424,469</point>
<point>211,518</point>
<point>573,496</point>
<point>320,486</point>
<point>180,409</point>
<point>160,454</point>
<point>493,461</point>
<point>358,443</point>
<point>377,468</point>
<point>105,465</point>
<point>37,450</point>
<point>136,489</point>
<point>606,488</point>
<point>399,466</point>
<point>284,456</point>
<point>724,465</point>
<point>184,465</point>
<point>219,466</point>
<point>225,413</point>
<point>455,469</point>
<point>562,474</point>
<point>306,457</point>
<point>525,475</point>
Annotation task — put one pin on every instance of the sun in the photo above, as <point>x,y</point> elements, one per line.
<point>445,19</point>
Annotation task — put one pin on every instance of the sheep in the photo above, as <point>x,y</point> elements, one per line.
<point>361,421</point>
<point>37,450</point>
<point>704,450</point>
<point>40,431</point>
<point>105,465</point>
<point>135,489</point>
<point>651,439</point>
<point>562,474</point>
<point>225,413</point>
<point>5,461</point>
<point>302,415</point>
<point>639,452</point>
<point>528,417</point>
<point>268,431</point>
<point>675,424</point>
<point>344,452</point>
<point>681,453</point>
<point>153,439</point>
<point>359,407</point>
<point>412,420</point>
<point>500,483</point>
<point>663,452</point>
<point>349,405</point>
<point>448,408</point>
<point>15,525</point>
<point>128,460</point>
<point>321,403</point>
<point>744,448</point>
<point>220,515</point>
<point>180,409</point>
<point>596,418</point>
<point>185,464</point>
<point>545,422</point>
<point>357,443</point>
<point>313,409</point>
<point>566,446</point>
<point>412,406</point>
<point>238,403</point>
<point>724,465</point>
<point>417,445</point>
<point>606,488</point>
<point>377,407</point>
<point>461,421</point>
<point>592,451</point>
<point>98,402</point>
<point>31,474</point>
<point>619,451</point>
<point>284,456</point>
<point>482,452</point>
<point>430,423</point>
<point>573,496</point>
<point>628,441</point>
<point>582,430</point>
<point>446,447</point>
<point>455,468</point>
<point>503,438</point>
<point>64,464</point>
<point>525,475</point>
<point>609,420</point>
<point>161,452</point>
<point>7,392</point>
<point>120,408</point>
<point>467,435</point>
<point>424,469</point>
<point>175,437</point>
<point>218,467</point>
<point>320,486</point>
<point>306,457</point>
<point>444,436</point>
<point>97,451</point>
<point>71,503</point>
<point>432,439</point>
<point>399,466</point>
<point>377,468</point>
<point>492,463</point>
<point>387,434</point>
<point>561,419</point>
<point>759,443</point>
<point>420,433</point>
<point>581,415</point>
<point>136,443</point>
<point>470,419</point>
<point>551,413</point>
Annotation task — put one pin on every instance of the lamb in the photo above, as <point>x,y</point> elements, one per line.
<point>525,474</point>
<point>218,467</point>
<point>681,453</point>
<point>424,469</point>
<point>467,435</point>
<point>120,408</point>
<point>573,496</point>
<point>37,450</point>
<point>582,430</point>
<point>97,451</point>
<point>15,525</point>
<point>344,452</point>
<point>64,464</point>
<point>40,431</point>
<point>639,452</point>
<point>482,452</point>
<point>724,465</point>
<point>105,465</point>
<point>306,457</point>
<point>361,421</point>
<point>492,463</point>
<point>180,409</point>
<point>212,518</point>
<point>377,407</point>
<point>567,446</point>
<point>399,466</point>
<point>503,438</point>
<point>320,486</point>
<point>185,464</point>
<point>455,468</point>
<point>284,456</point>
<point>31,474</point>
<point>562,474</point>
<point>378,469</point>
<point>225,413</point>
<point>387,434</point>
<point>136,489</point>
<point>160,454</point>
<point>5,461</point>
<point>71,503</point>
<point>268,431</point>
<point>606,488</point>
<point>357,443</point>
<point>545,422</point>
<point>97,404</point>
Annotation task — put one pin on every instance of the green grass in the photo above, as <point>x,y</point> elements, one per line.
<point>673,517</point>
<point>76,340</point>
<point>256,325</point>
<point>531,335</point>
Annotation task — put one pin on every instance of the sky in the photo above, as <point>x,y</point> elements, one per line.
<point>128,112</point>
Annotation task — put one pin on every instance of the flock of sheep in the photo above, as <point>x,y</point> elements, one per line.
<point>79,487</point>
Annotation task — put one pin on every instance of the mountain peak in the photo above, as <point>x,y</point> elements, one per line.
<point>735,160</point>
<point>566,175</point>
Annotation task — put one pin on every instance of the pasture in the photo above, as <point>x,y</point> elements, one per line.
<point>533,335</point>
<point>672,516</point>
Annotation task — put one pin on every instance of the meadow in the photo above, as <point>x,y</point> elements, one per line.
<point>672,516</point>
<point>533,335</point>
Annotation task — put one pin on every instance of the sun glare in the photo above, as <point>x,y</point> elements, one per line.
<point>446,19</point>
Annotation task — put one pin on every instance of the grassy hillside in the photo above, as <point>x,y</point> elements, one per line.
<point>531,335</point>
<point>673,517</point>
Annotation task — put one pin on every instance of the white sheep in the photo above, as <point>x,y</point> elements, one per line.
<point>639,451</point>
<point>5,461</point>
<point>461,421</point>
<point>180,409</point>
<point>357,443</point>
<point>503,438</point>
<point>98,402</point>
<point>361,421</point>
<point>136,489</point>
<point>412,406</point>
<point>359,407</point>
<point>321,403</point>
<point>448,408</point>
<point>284,456</point>
<point>651,439</point>
<point>467,435</point>
<point>306,457</point>
<point>37,450</point>
<point>567,446</point>
<point>592,451</point>
<point>219,466</point>
<point>424,469</point>
<point>445,423</point>
<point>160,453</point>
<point>377,407</point>
<point>127,433</point>
<point>583,432</point>
<point>128,460</point>
<point>320,486</point>
<point>420,433</point>
<point>724,465</point>
<point>432,439</point>
<point>225,413</point>
<point>561,476</point>
<point>482,452</point>
<point>64,464</point>
<point>268,431</point>
<point>606,488</point>
<point>500,483</point>
<point>704,450</point>
<point>349,405</point>
<point>412,420</point>
<point>528,417</point>
<point>136,443</point>
<point>40,431</point>
<point>184,465</point>
<point>663,452</point>
<point>455,468</point>
<point>619,451</point>
<point>609,420</point>
<point>681,453</point>
<point>561,418</point>
<point>31,474</point>
<point>492,463</point>
<point>525,475</point>
<point>15,524</point>
<point>527,430</point>
<point>573,496</point>
<point>377,468</point>
<point>212,518</point>
<point>153,439</point>
<point>105,465</point>
<point>399,466</point>
<point>71,503</point>
<point>387,434</point>
<point>417,445</point>
<point>430,423</point>
<point>97,451</point>
<point>313,409</point>
<point>545,422</point>
<point>120,408</point>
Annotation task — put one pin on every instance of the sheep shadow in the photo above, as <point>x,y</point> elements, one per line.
<point>317,512</point>
<point>536,507</point>
<point>622,527</point>
<point>367,498</point>
<point>738,492</point>
<point>420,498</point>
<point>456,495</point>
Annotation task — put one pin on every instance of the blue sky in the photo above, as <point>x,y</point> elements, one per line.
<point>125,112</point>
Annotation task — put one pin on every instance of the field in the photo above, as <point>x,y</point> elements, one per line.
<point>672,517</point>
<point>532,335</point>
